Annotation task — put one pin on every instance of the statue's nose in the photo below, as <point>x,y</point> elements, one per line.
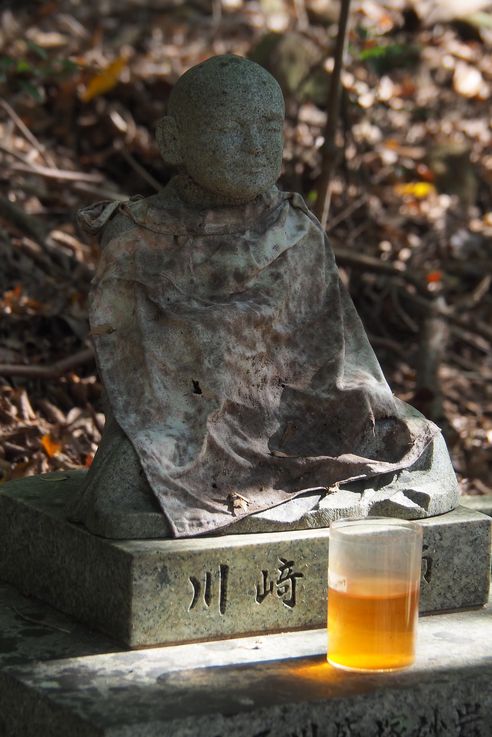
<point>252,140</point>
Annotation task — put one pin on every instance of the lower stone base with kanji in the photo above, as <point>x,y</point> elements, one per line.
<point>58,678</point>
<point>151,592</point>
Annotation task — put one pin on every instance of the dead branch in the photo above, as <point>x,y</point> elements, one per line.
<point>346,213</point>
<point>475,341</point>
<point>48,372</point>
<point>49,172</point>
<point>474,370</point>
<point>28,135</point>
<point>62,174</point>
<point>472,326</point>
<point>472,300</point>
<point>377,341</point>
<point>347,257</point>
<point>406,319</point>
<point>329,149</point>
<point>301,15</point>
<point>141,171</point>
<point>100,192</point>
<point>433,341</point>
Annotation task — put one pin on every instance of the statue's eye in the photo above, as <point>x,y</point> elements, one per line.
<point>228,127</point>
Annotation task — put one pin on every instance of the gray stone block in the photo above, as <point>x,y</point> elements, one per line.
<point>264,686</point>
<point>148,592</point>
<point>480,503</point>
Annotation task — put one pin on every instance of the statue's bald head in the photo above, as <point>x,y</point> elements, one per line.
<point>215,83</point>
<point>225,127</point>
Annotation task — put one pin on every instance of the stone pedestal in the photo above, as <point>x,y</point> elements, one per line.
<point>482,503</point>
<point>168,591</point>
<point>59,679</point>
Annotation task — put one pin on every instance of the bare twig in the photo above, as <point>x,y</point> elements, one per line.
<point>473,326</point>
<point>472,300</point>
<point>216,14</point>
<point>49,172</point>
<point>346,213</point>
<point>329,149</point>
<point>61,174</point>
<point>475,370</point>
<point>433,341</point>
<point>100,192</point>
<point>40,255</point>
<point>28,135</point>
<point>407,320</point>
<point>48,372</point>
<point>140,170</point>
<point>471,267</point>
<point>301,15</point>
<point>389,345</point>
<point>19,157</point>
<point>475,341</point>
<point>348,257</point>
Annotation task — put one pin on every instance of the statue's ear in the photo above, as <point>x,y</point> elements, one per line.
<point>168,140</point>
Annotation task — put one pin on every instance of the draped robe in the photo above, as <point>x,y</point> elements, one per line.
<point>235,362</point>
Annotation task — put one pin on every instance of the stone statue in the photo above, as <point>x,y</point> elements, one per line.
<point>242,392</point>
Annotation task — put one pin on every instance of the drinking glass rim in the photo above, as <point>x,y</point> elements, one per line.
<point>343,523</point>
<point>376,518</point>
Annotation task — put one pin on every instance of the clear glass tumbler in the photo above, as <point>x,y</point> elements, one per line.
<point>373,593</point>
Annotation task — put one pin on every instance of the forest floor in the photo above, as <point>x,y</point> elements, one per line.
<point>81,88</point>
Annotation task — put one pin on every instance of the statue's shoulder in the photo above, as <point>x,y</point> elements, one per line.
<point>108,219</point>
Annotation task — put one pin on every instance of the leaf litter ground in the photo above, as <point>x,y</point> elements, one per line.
<point>81,88</point>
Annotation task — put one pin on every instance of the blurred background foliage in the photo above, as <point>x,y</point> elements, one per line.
<point>81,88</point>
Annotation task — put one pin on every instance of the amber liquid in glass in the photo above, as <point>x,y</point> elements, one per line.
<point>371,625</point>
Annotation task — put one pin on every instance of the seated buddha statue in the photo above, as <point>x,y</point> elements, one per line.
<point>241,391</point>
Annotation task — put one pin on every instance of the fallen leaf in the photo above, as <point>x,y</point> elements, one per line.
<point>236,502</point>
<point>419,190</point>
<point>468,81</point>
<point>105,80</point>
<point>433,277</point>
<point>51,446</point>
<point>12,296</point>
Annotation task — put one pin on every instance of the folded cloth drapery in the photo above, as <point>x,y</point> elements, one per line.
<point>235,361</point>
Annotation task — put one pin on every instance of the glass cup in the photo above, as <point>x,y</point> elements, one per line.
<point>373,593</point>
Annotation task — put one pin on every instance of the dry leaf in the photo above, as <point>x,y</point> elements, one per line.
<point>105,80</point>
<point>419,190</point>
<point>236,502</point>
<point>51,446</point>
<point>468,81</point>
<point>433,277</point>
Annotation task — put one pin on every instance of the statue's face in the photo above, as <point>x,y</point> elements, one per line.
<point>232,145</point>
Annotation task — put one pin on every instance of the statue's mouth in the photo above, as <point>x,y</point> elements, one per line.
<point>256,168</point>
